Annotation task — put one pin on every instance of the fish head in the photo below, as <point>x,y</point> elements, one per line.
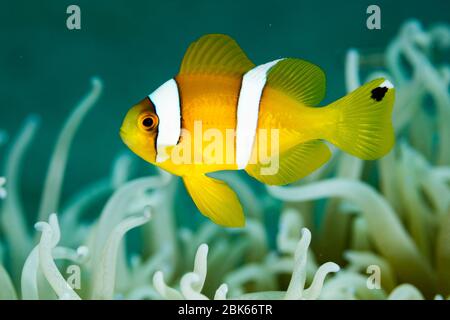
<point>139,130</point>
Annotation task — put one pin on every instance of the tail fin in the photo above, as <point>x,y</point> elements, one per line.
<point>364,125</point>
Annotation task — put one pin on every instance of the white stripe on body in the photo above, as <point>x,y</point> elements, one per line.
<point>166,100</point>
<point>252,87</point>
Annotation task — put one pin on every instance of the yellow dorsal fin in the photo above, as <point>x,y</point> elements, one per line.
<point>215,199</point>
<point>294,164</point>
<point>215,54</point>
<point>302,80</point>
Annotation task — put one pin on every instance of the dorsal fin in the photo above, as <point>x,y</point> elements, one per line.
<point>215,54</point>
<point>302,80</point>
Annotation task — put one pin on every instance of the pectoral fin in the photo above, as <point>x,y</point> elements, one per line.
<point>215,200</point>
<point>292,165</point>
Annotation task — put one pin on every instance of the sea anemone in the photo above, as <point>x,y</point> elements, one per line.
<point>394,213</point>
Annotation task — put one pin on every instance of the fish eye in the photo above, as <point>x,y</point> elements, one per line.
<point>148,122</point>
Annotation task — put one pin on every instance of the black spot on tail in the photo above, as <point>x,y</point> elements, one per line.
<point>379,93</point>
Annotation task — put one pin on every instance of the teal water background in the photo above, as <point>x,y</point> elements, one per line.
<point>134,46</point>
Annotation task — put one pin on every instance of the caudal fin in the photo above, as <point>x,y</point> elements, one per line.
<point>363,120</point>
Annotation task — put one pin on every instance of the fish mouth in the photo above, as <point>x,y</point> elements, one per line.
<point>123,134</point>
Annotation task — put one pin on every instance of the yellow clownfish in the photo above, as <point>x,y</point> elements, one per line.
<point>221,112</point>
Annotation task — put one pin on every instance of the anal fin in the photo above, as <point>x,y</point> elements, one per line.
<point>215,200</point>
<point>293,164</point>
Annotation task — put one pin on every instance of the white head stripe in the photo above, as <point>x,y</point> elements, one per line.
<point>252,87</point>
<point>167,105</point>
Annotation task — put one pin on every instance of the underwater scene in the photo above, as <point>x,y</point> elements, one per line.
<point>103,196</point>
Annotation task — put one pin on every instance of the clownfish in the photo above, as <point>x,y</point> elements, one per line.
<point>221,112</point>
